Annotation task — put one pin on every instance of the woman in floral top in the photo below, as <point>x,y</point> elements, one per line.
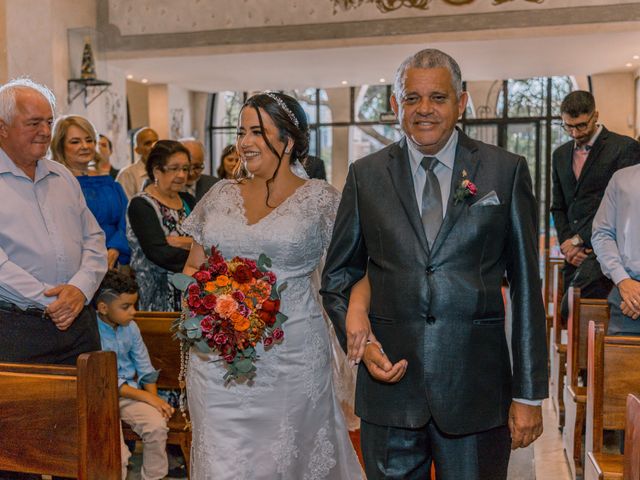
<point>159,246</point>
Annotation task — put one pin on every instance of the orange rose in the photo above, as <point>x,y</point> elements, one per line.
<point>222,281</point>
<point>210,287</point>
<point>242,324</point>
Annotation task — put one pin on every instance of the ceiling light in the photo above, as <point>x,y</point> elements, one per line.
<point>144,80</point>
<point>628,65</point>
<point>382,80</point>
<point>344,82</point>
<point>129,77</point>
<point>636,57</point>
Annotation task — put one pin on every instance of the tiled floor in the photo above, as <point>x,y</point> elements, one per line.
<point>550,461</point>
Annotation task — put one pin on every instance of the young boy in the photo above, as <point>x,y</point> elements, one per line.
<point>140,406</point>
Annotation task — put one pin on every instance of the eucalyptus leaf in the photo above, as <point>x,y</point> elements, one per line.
<point>202,346</point>
<point>264,262</point>
<point>192,322</point>
<point>181,281</point>
<point>244,366</point>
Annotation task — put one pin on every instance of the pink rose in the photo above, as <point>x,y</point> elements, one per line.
<point>206,324</point>
<point>194,301</point>
<point>202,276</point>
<point>193,289</point>
<point>220,338</point>
<point>209,302</point>
<point>268,342</point>
<point>472,188</point>
<point>278,334</point>
<point>271,277</point>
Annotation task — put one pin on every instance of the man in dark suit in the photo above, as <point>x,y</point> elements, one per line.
<point>434,221</point>
<point>198,183</point>
<point>582,168</point>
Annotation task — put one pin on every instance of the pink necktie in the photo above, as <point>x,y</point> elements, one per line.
<point>579,158</point>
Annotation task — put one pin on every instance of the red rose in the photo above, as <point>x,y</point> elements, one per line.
<point>202,276</point>
<point>220,268</point>
<point>250,263</point>
<point>220,338</point>
<point>209,302</point>
<point>472,188</point>
<point>278,334</point>
<point>271,306</point>
<point>194,301</point>
<point>271,277</point>
<point>242,274</point>
<point>193,289</point>
<point>257,274</point>
<point>268,318</point>
<point>268,342</point>
<point>206,324</point>
<point>238,296</point>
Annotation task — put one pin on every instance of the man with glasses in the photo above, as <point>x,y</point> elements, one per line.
<point>582,168</point>
<point>197,183</point>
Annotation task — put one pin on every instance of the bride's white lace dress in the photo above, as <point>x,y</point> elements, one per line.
<point>286,424</point>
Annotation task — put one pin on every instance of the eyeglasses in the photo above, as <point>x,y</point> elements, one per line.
<point>579,127</point>
<point>197,168</point>
<point>174,169</point>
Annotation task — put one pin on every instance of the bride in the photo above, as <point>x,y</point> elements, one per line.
<point>286,422</point>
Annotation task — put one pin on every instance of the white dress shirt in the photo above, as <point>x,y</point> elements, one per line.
<point>48,236</point>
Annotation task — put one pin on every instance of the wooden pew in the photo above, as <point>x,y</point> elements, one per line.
<point>613,373</point>
<point>547,290</point>
<point>581,312</point>
<point>164,351</point>
<point>558,348</point>
<point>61,420</point>
<point>603,466</point>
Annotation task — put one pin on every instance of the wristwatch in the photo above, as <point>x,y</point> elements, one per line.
<point>576,241</point>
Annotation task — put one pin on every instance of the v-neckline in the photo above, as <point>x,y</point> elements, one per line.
<point>243,210</point>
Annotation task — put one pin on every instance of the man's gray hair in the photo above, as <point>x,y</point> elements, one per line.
<point>429,58</point>
<point>8,96</point>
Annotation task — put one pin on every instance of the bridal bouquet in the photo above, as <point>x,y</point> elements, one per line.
<point>229,306</point>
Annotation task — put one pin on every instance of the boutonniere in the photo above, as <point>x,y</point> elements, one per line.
<point>465,189</point>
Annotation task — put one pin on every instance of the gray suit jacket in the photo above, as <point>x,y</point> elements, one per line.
<point>441,308</point>
<point>205,182</point>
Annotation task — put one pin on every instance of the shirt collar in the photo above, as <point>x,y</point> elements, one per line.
<point>587,146</point>
<point>446,155</point>
<point>8,166</point>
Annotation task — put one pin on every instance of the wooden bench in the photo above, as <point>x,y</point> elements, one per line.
<point>603,466</point>
<point>613,373</point>
<point>61,420</point>
<point>164,351</point>
<point>547,291</point>
<point>558,348</point>
<point>581,312</point>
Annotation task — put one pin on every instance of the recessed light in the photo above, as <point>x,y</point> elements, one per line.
<point>129,77</point>
<point>144,80</point>
<point>636,57</point>
<point>382,80</point>
<point>344,82</point>
<point>629,65</point>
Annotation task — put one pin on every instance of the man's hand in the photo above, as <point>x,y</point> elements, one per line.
<point>630,293</point>
<point>380,366</point>
<point>159,404</point>
<point>525,424</point>
<point>65,309</point>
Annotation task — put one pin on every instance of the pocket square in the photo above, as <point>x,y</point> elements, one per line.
<point>490,198</point>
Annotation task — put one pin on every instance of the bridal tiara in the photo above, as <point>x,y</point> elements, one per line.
<point>284,107</point>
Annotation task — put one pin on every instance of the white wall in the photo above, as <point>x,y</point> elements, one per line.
<point>615,101</point>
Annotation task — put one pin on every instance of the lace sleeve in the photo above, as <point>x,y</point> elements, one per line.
<point>195,223</point>
<point>329,201</point>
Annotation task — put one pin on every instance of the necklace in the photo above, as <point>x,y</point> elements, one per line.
<point>79,171</point>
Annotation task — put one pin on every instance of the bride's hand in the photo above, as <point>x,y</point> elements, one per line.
<point>358,330</point>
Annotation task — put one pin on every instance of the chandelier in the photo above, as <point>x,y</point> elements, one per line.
<point>391,5</point>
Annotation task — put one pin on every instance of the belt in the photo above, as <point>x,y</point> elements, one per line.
<point>13,308</point>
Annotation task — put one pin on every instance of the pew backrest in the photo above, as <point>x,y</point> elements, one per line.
<point>612,374</point>
<point>632,439</point>
<point>61,420</point>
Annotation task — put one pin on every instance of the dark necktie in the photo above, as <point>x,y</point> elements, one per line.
<point>431,200</point>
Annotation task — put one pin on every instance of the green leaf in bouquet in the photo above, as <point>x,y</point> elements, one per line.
<point>245,365</point>
<point>202,346</point>
<point>192,323</point>
<point>193,333</point>
<point>264,263</point>
<point>181,281</point>
<point>280,319</point>
<point>282,287</point>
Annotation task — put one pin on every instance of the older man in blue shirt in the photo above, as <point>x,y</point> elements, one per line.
<point>616,241</point>
<point>52,250</point>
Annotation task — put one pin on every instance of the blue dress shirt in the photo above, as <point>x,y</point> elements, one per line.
<point>134,364</point>
<point>616,227</point>
<point>48,235</point>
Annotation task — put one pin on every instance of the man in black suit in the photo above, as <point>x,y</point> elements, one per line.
<point>198,183</point>
<point>435,220</point>
<point>582,168</point>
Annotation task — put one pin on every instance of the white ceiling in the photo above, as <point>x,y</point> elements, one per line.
<point>512,54</point>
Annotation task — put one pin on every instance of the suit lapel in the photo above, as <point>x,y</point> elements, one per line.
<point>598,145</point>
<point>402,178</point>
<point>465,161</point>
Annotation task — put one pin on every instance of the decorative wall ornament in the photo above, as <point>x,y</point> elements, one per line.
<point>177,123</point>
<point>390,5</point>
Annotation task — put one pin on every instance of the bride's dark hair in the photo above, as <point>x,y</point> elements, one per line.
<point>291,122</point>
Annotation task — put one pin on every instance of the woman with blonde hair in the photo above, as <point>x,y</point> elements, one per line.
<point>74,144</point>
